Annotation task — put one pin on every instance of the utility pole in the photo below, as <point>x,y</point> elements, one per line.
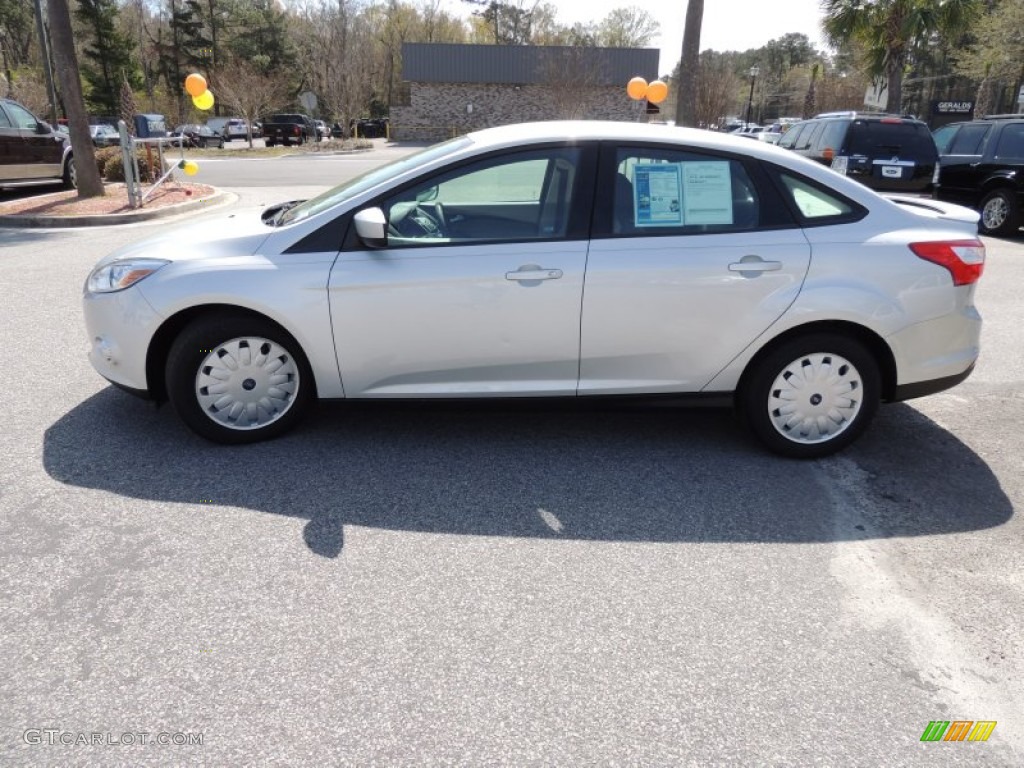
<point>44,47</point>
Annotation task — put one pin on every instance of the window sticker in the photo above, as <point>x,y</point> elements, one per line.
<point>657,194</point>
<point>707,192</point>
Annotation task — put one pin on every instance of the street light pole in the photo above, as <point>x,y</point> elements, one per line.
<point>754,72</point>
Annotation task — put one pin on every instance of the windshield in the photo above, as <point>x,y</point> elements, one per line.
<point>371,179</point>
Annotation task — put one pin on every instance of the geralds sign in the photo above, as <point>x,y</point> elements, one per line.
<point>952,107</point>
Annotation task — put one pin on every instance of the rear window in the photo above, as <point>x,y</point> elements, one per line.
<point>969,139</point>
<point>1011,143</point>
<point>904,139</point>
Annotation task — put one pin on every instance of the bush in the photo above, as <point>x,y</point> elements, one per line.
<point>103,155</point>
<point>113,168</point>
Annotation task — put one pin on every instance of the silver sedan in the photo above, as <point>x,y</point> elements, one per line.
<point>557,259</point>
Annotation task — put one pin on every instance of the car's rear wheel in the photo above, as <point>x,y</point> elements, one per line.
<point>811,396</point>
<point>1000,214</point>
<point>234,379</point>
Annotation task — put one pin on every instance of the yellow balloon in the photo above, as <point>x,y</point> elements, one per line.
<point>195,84</point>
<point>636,88</point>
<point>204,100</point>
<point>191,168</point>
<point>657,92</point>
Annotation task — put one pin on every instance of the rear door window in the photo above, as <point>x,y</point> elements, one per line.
<point>969,140</point>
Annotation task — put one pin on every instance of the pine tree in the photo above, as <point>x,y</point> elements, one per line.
<point>107,54</point>
<point>128,108</point>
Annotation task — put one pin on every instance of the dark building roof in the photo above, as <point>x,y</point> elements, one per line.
<point>525,64</point>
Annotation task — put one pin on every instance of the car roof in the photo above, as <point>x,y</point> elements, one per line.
<point>516,135</point>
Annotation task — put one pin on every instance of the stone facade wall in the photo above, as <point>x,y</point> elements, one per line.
<point>438,111</point>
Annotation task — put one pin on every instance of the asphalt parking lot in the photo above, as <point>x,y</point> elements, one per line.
<point>516,585</point>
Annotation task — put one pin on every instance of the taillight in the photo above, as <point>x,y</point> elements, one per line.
<point>828,153</point>
<point>965,259</point>
<point>297,131</point>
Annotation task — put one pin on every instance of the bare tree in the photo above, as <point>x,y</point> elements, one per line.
<point>250,92</point>
<point>717,89</point>
<point>572,73</point>
<point>62,39</point>
<point>689,70</point>
<point>630,27</point>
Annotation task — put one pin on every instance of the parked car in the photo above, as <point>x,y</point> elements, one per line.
<point>288,129</point>
<point>218,125</point>
<point>884,152</point>
<point>322,129</point>
<point>201,136</point>
<point>370,128</point>
<point>982,165</point>
<point>235,128</point>
<point>104,135</point>
<point>257,129</point>
<point>31,151</point>
<point>712,266</point>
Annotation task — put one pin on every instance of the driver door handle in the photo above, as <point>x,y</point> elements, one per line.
<point>755,266</point>
<point>534,273</point>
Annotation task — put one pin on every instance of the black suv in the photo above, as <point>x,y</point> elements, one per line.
<point>31,152</point>
<point>982,165</point>
<point>885,152</point>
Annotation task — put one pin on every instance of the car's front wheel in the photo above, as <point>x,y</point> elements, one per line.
<point>811,396</point>
<point>70,176</point>
<point>235,379</point>
<point>1000,214</point>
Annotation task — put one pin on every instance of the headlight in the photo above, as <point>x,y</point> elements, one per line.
<point>119,275</point>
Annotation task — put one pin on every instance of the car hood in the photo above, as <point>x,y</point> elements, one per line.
<point>239,233</point>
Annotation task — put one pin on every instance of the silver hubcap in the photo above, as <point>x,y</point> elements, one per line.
<point>994,213</point>
<point>247,383</point>
<point>815,398</point>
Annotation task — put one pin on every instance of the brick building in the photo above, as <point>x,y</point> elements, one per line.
<point>452,89</point>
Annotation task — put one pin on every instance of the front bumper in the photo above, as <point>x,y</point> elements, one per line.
<point>120,326</point>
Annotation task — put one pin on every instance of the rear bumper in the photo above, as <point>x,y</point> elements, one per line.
<point>924,388</point>
<point>936,354</point>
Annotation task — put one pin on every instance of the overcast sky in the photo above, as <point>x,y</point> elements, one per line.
<point>729,25</point>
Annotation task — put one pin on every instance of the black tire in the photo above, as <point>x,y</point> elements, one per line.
<point>760,390</point>
<point>70,176</point>
<point>189,359</point>
<point>268,144</point>
<point>1000,214</point>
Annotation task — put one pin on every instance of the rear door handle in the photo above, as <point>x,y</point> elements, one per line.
<point>534,273</point>
<point>755,266</point>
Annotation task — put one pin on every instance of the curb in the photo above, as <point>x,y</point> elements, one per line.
<point>216,200</point>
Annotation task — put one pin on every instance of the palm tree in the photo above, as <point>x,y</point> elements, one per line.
<point>689,68</point>
<point>889,31</point>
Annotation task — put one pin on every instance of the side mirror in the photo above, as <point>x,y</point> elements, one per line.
<point>43,128</point>
<point>372,227</point>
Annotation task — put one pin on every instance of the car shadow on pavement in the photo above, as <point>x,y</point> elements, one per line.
<point>594,472</point>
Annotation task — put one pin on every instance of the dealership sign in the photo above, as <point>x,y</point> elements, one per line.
<point>952,107</point>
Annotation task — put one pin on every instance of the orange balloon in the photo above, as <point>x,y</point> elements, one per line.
<point>195,84</point>
<point>636,88</point>
<point>657,92</point>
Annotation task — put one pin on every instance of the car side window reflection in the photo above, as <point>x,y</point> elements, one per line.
<point>22,117</point>
<point>670,192</point>
<point>524,196</point>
